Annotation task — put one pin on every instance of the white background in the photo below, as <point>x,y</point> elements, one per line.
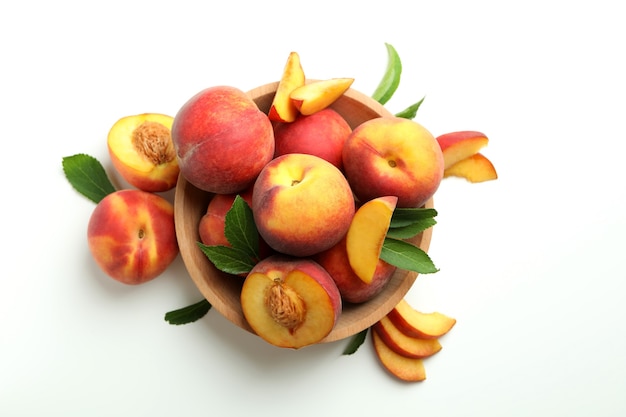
<point>531,264</point>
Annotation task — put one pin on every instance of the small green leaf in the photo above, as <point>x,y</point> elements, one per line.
<point>391,79</point>
<point>240,229</point>
<point>228,259</point>
<point>355,342</point>
<point>411,111</point>
<point>188,314</point>
<point>407,256</point>
<point>404,216</point>
<point>86,174</point>
<point>410,230</point>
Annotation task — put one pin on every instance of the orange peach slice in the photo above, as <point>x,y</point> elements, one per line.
<point>142,151</point>
<point>317,95</point>
<point>282,108</point>
<point>411,347</point>
<point>414,323</point>
<point>406,369</point>
<point>366,235</point>
<point>457,146</point>
<point>290,302</point>
<point>475,168</point>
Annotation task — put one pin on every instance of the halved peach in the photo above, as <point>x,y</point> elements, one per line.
<point>457,146</point>
<point>142,151</point>
<point>317,95</point>
<point>406,369</point>
<point>411,347</point>
<point>366,235</point>
<point>290,302</point>
<point>414,323</point>
<point>475,168</point>
<point>282,108</point>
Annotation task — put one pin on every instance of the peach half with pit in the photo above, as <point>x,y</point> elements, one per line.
<point>131,235</point>
<point>290,302</point>
<point>393,156</point>
<point>222,140</point>
<point>302,204</point>
<point>142,152</point>
<point>321,134</point>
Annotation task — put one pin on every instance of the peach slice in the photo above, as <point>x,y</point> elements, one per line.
<point>406,369</point>
<point>141,149</point>
<point>411,347</point>
<point>414,323</point>
<point>290,302</point>
<point>366,235</point>
<point>457,146</point>
<point>282,108</point>
<point>475,168</point>
<point>317,95</point>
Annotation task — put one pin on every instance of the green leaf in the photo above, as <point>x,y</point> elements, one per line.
<point>240,229</point>
<point>391,78</point>
<point>228,259</point>
<point>355,342</point>
<point>86,174</point>
<point>404,216</point>
<point>410,230</point>
<point>188,314</point>
<point>411,111</point>
<point>406,256</point>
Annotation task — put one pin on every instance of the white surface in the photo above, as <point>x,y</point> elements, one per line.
<point>531,265</point>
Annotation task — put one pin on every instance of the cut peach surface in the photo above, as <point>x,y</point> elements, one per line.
<point>366,235</point>
<point>406,369</point>
<point>411,347</point>
<point>142,151</point>
<point>414,323</point>
<point>475,168</point>
<point>290,302</point>
<point>457,146</point>
<point>317,95</point>
<point>282,108</point>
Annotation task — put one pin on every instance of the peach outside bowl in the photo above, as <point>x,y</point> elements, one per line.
<point>223,290</point>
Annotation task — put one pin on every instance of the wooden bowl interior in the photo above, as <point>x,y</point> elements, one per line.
<point>223,290</point>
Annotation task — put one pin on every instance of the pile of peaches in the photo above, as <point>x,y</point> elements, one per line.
<point>322,195</point>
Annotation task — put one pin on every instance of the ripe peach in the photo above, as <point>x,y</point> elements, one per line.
<point>142,152</point>
<point>302,204</point>
<point>131,235</point>
<point>211,226</point>
<point>222,140</point>
<point>321,134</point>
<point>290,302</point>
<point>393,156</point>
<point>352,288</point>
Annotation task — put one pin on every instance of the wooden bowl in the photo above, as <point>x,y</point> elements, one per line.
<point>223,290</point>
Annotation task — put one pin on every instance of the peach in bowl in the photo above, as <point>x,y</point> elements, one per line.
<point>224,291</point>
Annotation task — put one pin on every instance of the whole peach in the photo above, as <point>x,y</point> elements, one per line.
<point>393,156</point>
<point>302,204</point>
<point>222,140</point>
<point>131,235</point>
<point>321,134</point>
